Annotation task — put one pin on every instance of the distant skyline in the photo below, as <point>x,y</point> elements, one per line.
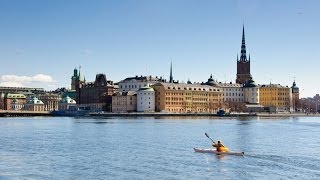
<point>41,42</point>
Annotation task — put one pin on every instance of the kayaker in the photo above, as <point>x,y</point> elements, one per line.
<point>220,147</point>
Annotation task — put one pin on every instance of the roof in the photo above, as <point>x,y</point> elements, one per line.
<point>191,87</point>
<point>250,83</point>
<point>229,85</point>
<point>68,100</point>
<point>129,93</point>
<point>146,88</point>
<point>21,96</point>
<point>34,100</point>
<point>141,79</point>
<point>272,86</point>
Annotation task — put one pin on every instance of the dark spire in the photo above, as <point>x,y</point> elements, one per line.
<point>171,78</point>
<point>243,56</point>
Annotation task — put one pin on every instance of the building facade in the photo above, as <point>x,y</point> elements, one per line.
<point>146,99</point>
<point>97,95</point>
<point>50,100</point>
<point>251,92</point>
<point>187,98</point>
<point>276,96</point>
<point>67,103</point>
<point>137,82</point>
<point>295,97</point>
<point>14,102</point>
<point>34,104</point>
<point>124,102</point>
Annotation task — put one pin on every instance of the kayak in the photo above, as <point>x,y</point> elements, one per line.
<point>201,150</point>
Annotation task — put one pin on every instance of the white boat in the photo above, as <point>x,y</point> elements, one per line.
<point>201,150</point>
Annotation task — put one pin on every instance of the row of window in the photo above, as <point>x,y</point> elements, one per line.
<point>194,89</point>
<point>132,86</point>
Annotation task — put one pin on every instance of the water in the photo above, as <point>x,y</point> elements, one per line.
<point>149,148</point>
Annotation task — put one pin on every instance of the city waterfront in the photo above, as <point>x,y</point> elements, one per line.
<point>158,148</point>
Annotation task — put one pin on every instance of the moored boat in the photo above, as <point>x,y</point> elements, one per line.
<point>202,150</point>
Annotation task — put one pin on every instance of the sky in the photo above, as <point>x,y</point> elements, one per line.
<point>42,41</point>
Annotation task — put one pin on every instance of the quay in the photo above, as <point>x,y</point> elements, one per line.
<point>158,114</point>
<point>8,113</point>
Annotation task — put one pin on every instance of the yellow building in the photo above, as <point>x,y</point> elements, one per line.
<point>276,96</point>
<point>182,98</point>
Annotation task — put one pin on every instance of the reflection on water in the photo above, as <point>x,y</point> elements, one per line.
<point>158,148</point>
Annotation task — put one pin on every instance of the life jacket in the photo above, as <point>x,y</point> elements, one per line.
<point>222,149</point>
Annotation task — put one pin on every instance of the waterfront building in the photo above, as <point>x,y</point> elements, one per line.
<point>185,98</point>
<point>67,103</point>
<point>295,96</point>
<point>137,82</point>
<point>146,99</point>
<point>276,97</point>
<point>124,102</point>
<point>50,100</point>
<point>251,92</point>
<point>77,78</point>
<point>14,101</point>
<point>97,95</point>
<point>233,96</point>
<point>243,64</point>
<point>232,92</point>
<point>1,100</point>
<point>21,90</point>
<point>34,104</point>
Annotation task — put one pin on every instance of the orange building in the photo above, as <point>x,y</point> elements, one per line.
<point>184,98</point>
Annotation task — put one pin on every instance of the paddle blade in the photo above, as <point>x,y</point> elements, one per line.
<point>207,135</point>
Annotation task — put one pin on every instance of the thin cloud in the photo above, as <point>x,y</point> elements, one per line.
<point>87,52</point>
<point>27,79</point>
<point>38,80</point>
<point>11,84</point>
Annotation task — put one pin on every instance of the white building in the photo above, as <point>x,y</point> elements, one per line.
<point>137,82</point>
<point>146,99</point>
<point>67,103</point>
<point>251,92</point>
<point>34,104</point>
<point>232,92</point>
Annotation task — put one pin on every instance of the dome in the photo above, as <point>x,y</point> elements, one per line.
<point>146,88</point>
<point>68,100</point>
<point>250,83</point>
<point>34,100</point>
<point>294,85</point>
<point>211,81</point>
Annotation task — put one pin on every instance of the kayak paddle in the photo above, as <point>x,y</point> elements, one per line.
<point>209,138</point>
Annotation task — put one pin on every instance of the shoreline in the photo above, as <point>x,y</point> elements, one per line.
<point>152,114</point>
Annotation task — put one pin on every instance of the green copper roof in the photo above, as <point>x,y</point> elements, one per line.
<point>147,88</point>
<point>9,95</point>
<point>34,100</point>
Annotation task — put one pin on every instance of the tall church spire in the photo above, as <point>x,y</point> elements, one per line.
<point>243,56</point>
<point>243,64</point>
<point>171,77</point>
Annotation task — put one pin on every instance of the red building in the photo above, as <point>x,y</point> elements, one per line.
<point>97,95</point>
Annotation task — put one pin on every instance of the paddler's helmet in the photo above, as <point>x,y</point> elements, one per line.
<point>219,142</point>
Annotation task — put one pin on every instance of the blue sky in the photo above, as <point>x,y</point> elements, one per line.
<point>42,41</point>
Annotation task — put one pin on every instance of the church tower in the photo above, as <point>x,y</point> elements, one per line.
<point>171,77</point>
<point>74,79</point>
<point>243,64</point>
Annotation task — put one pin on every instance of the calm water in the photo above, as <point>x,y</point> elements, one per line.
<point>148,148</point>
